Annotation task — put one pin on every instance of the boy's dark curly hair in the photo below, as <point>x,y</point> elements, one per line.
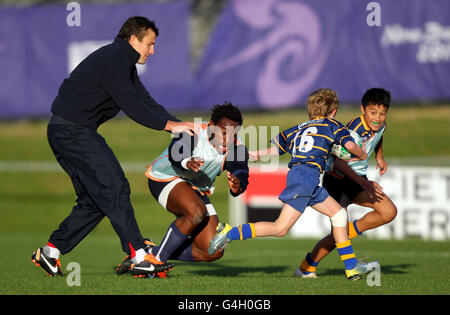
<point>378,96</point>
<point>227,110</point>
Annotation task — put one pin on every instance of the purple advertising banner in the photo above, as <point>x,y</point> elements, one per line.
<point>262,54</point>
<point>273,53</point>
<point>40,45</point>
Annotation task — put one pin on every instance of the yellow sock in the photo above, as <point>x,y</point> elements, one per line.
<point>353,230</point>
<point>308,265</point>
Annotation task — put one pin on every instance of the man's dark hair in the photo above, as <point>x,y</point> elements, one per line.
<point>137,25</point>
<point>376,96</point>
<point>227,110</point>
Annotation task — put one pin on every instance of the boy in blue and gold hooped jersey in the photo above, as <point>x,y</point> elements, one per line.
<point>309,144</point>
<point>347,182</point>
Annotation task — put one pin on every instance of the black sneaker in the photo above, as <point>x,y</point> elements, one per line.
<point>125,265</point>
<point>150,267</point>
<point>51,265</point>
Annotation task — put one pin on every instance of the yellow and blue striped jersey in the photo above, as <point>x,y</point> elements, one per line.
<point>359,125</point>
<point>370,139</point>
<point>310,142</point>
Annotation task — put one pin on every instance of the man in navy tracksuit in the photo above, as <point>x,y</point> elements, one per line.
<point>98,88</point>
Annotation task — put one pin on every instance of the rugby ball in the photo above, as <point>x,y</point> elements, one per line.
<point>342,152</point>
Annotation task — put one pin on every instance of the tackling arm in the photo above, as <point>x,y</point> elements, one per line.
<point>256,155</point>
<point>372,188</point>
<point>356,150</point>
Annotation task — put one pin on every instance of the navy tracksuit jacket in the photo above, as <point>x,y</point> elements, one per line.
<point>97,89</point>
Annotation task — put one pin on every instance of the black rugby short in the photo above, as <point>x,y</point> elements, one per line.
<point>342,189</point>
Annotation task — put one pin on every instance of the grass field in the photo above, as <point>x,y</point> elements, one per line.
<point>34,201</point>
<point>259,267</point>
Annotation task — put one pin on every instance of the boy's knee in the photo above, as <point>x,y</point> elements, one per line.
<point>202,255</point>
<point>339,219</point>
<point>217,255</point>
<point>281,231</point>
<point>389,214</point>
<point>387,211</point>
<point>279,228</point>
<point>197,214</point>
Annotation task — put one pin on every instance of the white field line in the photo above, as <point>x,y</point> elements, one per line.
<point>54,167</point>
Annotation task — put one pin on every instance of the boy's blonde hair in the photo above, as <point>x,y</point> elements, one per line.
<point>322,102</point>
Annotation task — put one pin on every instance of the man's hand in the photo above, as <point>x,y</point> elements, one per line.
<point>195,164</point>
<point>234,183</point>
<point>182,126</point>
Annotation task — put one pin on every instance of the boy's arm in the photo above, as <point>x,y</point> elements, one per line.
<point>381,163</point>
<point>236,164</point>
<point>256,155</point>
<point>372,188</point>
<point>356,150</point>
<point>279,147</point>
<point>344,139</point>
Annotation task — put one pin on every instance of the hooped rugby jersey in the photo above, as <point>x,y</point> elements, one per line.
<point>167,166</point>
<point>370,139</point>
<point>309,143</point>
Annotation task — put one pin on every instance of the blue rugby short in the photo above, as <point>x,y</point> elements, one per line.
<point>302,188</point>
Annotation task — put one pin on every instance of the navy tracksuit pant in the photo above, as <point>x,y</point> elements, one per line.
<point>100,185</point>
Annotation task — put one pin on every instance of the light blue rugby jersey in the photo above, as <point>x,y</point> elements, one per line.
<point>234,160</point>
<point>162,169</point>
<point>309,143</point>
<point>370,139</point>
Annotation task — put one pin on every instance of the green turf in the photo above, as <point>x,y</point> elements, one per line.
<point>255,267</point>
<point>32,204</point>
<point>31,211</point>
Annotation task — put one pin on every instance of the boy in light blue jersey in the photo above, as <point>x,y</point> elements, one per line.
<point>309,144</point>
<point>347,181</point>
<point>182,177</point>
